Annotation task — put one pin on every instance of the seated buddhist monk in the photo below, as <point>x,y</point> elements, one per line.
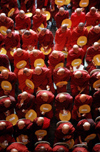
<point>96,147</point>
<point>78,31</point>
<point>80,82</point>
<point>44,97</point>
<point>29,40</point>
<point>80,100</point>
<point>20,55</point>
<point>34,55</point>
<point>45,39</point>
<point>63,103</point>
<point>12,40</point>
<point>7,5</point>
<point>85,127</point>
<point>1,41</point>
<point>12,79</point>
<point>64,131</point>
<point>94,35</point>
<point>28,6</point>
<point>60,147</point>
<point>22,22</point>
<point>60,16</point>
<point>4,61</point>
<point>6,21</point>
<point>41,123</point>
<point>77,17</point>
<point>75,53</point>
<point>42,79</point>
<point>92,17</point>
<point>54,58</point>
<point>96,104</point>
<point>42,146</point>
<point>6,127</point>
<point>24,128</point>
<point>80,148</point>
<point>62,38</point>
<point>59,75</point>
<point>25,102</point>
<point>39,19</point>
<point>17,147</point>
<point>23,75</point>
<point>7,105</point>
<point>91,52</point>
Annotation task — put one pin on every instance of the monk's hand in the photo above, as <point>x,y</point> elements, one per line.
<point>7,113</point>
<point>39,138</point>
<point>30,47</point>
<point>48,87</point>
<point>65,49</point>
<point>84,114</point>
<point>71,69</point>
<point>42,112</point>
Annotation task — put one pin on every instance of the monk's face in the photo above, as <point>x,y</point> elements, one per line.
<point>76,50</point>
<point>38,14</point>
<point>19,53</point>
<point>63,29</point>
<point>7,103</point>
<point>96,47</point>
<point>2,18</point>
<point>39,122</point>
<point>61,12</point>
<point>38,71</point>
<point>93,11</point>
<point>9,34</point>
<point>43,33</point>
<point>21,15</point>
<point>80,28</point>
<point>5,75</point>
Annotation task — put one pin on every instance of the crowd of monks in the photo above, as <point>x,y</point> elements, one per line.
<point>49,82</point>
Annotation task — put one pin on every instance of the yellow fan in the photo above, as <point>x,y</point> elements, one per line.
<point>13,118</point>
<point>31,114</point>
<point>29,83</point>
<point>82,40</point>
<point>10,13</point>
<point>65,117</point>
<point>39,62</point>
<point>21,64</point>
<point>84,109</point>
<point>5,85</point>
<point>67,22</point>
<point>45,107</point>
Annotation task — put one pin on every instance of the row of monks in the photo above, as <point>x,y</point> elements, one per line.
<point>49,84</point>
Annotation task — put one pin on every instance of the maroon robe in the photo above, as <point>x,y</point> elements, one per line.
<point>12,79</point>
<point>59,106</point>
<point>57,147</point>
<point>30,5</point>
<point>77,104</point>
<point>43,4</point>
<point>1,41</point>
<point>82,82</point>
<point>4,61</point>
<point>80,149</point>
<point>58,78</point>
<point>96,148</point>
<point>39,102</point>
<point>92,19</point>
<point>60,137</point>
<point>28,104</point>
<point>47,147</point>
<point>8,23</point>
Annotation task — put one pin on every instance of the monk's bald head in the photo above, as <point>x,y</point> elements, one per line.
<point>21,124</point>
<point>7,103</point>
<point>38,12</point>
<point>55,54</point>
<point>5,74</point>
<point>98,75</point>
<point>9,33</point>
<point>92,10</point>
<point>65,129</point>
<point>62,97</point>
<point>43,31</point>
<point>24,95</point>
<point>96,29</point>
<point>45,96</point>
<point>83,97</point>
<point>42,149</point>
<point>61,149</point>
<point>76,48</point>
<point>64,28</point>
<point>21,14</point>
<point>38,70</point>
<point>2,125</point>
<point>61,10</point>
<point>35,52</point>
<point>60,71</point>
<point>81,26</point>
<point>19,51</point>
<point>26,71</point>
<point>78,74</point>
<point>27,33</point>
<point>40,121</point>
<point>78,11</point>
<point>86,126</point>
<point>14,150</point>
<point>2,17</point>
<point>96,45</point>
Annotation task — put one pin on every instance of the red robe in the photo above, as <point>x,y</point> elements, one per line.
<point>3,109</point>
<point>47,147</point>
<point>11,4</point>
<point>12,79</point>
<point>37,21</point>
<point>62,39</point>
<point>39,102</point>
<point>22,78</point>
<point>31,40</point>
<point>43,79</point>
<point>28,104</point>
<point>8,129</point>
<point>96,104</point>
<point>82,82</point>
<point>1,41</point>
<point>58,78</point>
<point>75,4</point>
<point>72,56</point>
<point>33,58</point>
<point>93,37</point>
<point>60,137</point>
<point>59,106</point>
<point>96,148</point>
<point>77,104</point>
<point>57,147</point>
<point>43,4</point>
<point>8,138</point>
<point>92,19</point>
<point>8,23</point>
<point>19,146</point>
<point>90,54</point>
<point>24,56</point>
<point>77,19</point>
<point>24,23</point>
<point>30,5</point>
<point>53,62</point>
<point>59,18</point>
<point>11,42</point>
<point>4,61</point>
<point>81,149</point>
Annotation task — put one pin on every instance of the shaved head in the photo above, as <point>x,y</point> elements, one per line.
<point>40,121</point>
<point>55,54</point>
<point>61,71</point>
<point>2,125</point>
<point>38,70</point>
<point>76,48</point>
<point>96,29</point>
<point>26,71</point>
<point>61,10</point>
<point>5,74</point>
<point>7,103</point>
<point>21,124</point>
<point>83,97</point>
<point>96,45</point>
<point>14,150</point>
<point>81,26</point>
<point>61,149</point>
<point>42,149</point>
<point>62,97</point>
<point>38,12</point>
<point>65,129</point>
<point>19,51</point>
<point>92,10</point>
<point>2,17</point>
<point>45,96</point>
<point>86,126</point>
<point>64,28</point>
<point>78,74</point>
<point>24,95</point>
<point>78,11</point>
